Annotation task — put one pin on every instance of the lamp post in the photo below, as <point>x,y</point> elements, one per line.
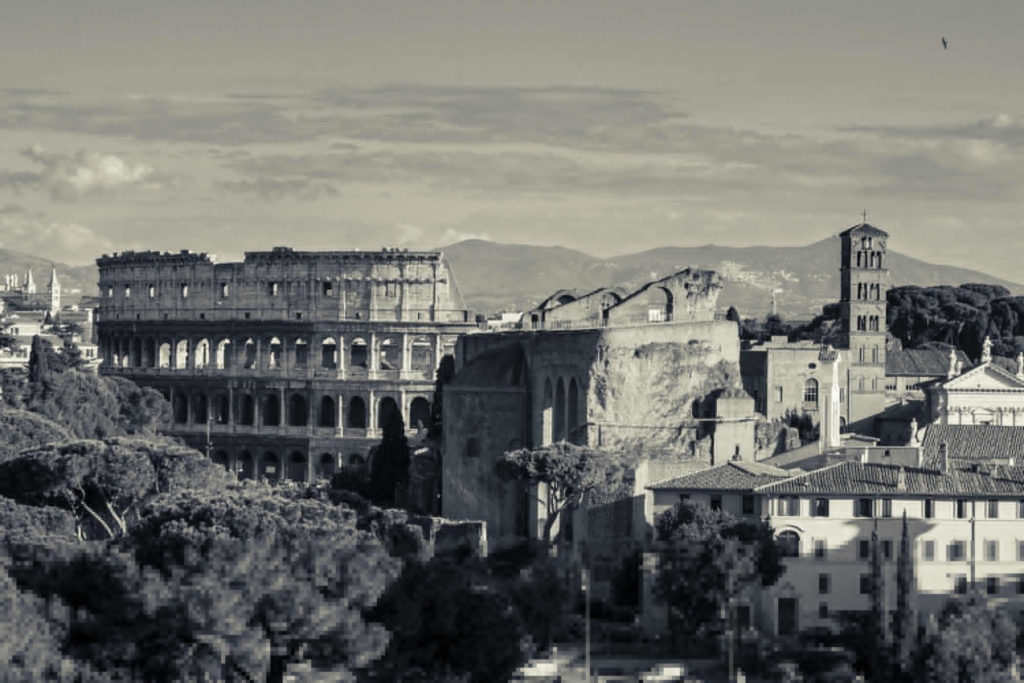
<point>586,642</point>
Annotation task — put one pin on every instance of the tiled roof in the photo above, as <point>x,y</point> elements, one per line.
<point>972,442</point>
<point>856,478</point>
<point>921,362</point>
<point>733,476</point>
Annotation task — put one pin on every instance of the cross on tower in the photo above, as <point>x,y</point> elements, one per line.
<point>865,217</point>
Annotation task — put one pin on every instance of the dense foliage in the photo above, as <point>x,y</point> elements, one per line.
<point>708,558</point>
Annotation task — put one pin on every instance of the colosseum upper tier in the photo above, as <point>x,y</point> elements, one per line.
<point>288,363</point>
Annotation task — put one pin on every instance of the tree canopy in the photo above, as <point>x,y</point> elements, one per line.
<point>568,471</point>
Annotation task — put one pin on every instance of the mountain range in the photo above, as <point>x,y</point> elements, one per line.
<point>514,277</point>
<point>508,277</point>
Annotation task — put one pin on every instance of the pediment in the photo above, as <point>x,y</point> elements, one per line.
<point>985,377</point>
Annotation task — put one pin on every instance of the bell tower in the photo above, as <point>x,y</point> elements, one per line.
<point>864,283</point>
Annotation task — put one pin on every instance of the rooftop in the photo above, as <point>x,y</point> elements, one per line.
<point>733,476</point>
<point>921,362</point>
<point>864,229</point>
<point>857,478</point>
<point>977,443</point>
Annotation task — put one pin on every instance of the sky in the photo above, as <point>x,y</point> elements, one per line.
<point>608,127</point>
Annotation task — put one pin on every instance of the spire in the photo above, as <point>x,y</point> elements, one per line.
<point>30,284</point>
<point>53,277</point>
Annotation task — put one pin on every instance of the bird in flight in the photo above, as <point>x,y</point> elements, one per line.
<point>945,45</point>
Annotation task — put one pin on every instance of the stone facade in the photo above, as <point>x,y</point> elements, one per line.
<point>652,389</point>
<point>285,364</point>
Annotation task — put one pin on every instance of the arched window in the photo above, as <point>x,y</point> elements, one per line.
<point>250,354</point>
<point>271,469</point>
<point>385,410</point>
<point>222,357</point>
<point>200,409</point>
<point>221,458</point>
<point>301,353</point>
<point>246,410</point>
<point>164,355</point>
<point>357,353</point>
<point>181,354</point>
<point>246,466</point>
<point>328,412</point>
<point>271,410</point>
<point>221,409</point>
<point>559,429</point>
<point>356,461</point>
<point>149,353</point>
<point>421,356</point>
<point>298,411</point>
<point>329,353</point>
<point>391,354</point>
<point>811,391</point>
<point>357,413</point>
<point>327,465</point>
<point>297,466</point>
<point>202,356</point>
<point>274,351</point>
<point>788,543</point>
<point>659,305</point>
<point>419,413</point>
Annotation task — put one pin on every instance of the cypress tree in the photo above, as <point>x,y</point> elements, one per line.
<point>38,369</point>
<point>876,614</point>
<point>903,628</point>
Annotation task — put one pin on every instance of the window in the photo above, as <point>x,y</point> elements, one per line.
<point>863,549</point>
<point>127,291</point>
<point>716,502</point>
<point>748,505</point>
<point>865,243</point>
<point>887,507</point>
<point>1020,551</point>
<point>824,580</point>
<point>929,508</point>
<point>820,549</point>
<point>961,508</point>
<point>887,550</point>
<point>862,507</point>
<point>110,292</point>
<point>273,288</point>
<point>929,550</point>
<point>152,291</point>
<point>184,290</point>
<point>391,289</point>
<point>789,506</point>
<point>956,551</point>
<point>788,543</point>
<point>823,610</point>
<point>865,584</point>
<point>1020,509</point>
<point>224,289</point>
<point>960,584</point>
<point>991,551</point>
<point>860,356</point>
<point>992,509</point>
<point>819,507</point>
<point>811,391</point>
<point>778,394</point>
<point>327,288</point>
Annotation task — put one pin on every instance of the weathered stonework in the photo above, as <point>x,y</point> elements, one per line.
<point>285,364</point>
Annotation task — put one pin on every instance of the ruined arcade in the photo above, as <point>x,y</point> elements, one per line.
<point>287,364</point>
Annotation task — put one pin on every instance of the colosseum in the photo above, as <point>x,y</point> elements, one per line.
<point>287,364</point>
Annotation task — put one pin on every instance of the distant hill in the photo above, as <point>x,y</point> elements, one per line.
<point>82,278</point>
<point>496,277</point>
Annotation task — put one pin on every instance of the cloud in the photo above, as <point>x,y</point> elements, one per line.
<point>275,189</point>
<point>63,241</point>
<point>70,176</point>
<point>410,234</point>
<point>451,236</point>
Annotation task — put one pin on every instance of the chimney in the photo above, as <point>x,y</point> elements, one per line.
<point>944,457</point>
<point>901,480</point>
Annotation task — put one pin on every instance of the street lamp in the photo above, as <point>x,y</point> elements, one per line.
<point>586,599</point>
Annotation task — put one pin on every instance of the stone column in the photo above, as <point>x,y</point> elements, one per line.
<point>406,353</point>
<point>339,423</point>
<point>372,361</point>
<point>339,355</point>
<point>371,412</point>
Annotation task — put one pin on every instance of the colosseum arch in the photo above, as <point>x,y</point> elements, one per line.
<point>179,408</point>
<point>385,409</point>
<point>419,413</point>
<point>390,355</point>
<point>271,410</point>
<point>358,354</point>
<point>275,351</point>
<point>298,411</point>
<point>329,353</point>
<point>202,353</point>
<point>200,408</point>
<point>246,410</point>
<point>328,412</point>
<point>301,352</point>
<point>327,465</point>
<point>270,466</point>
<point>149,352</point>
<point>559,417</point>
<point>181,354</point>
<point>222,356</point>
<point>421,355</point>
<point>164,355</point>
<point>356,413</point>
<point>221,458</point>
<point>297,466</point>
<point>249,348</point>
<point>221,408</point>
<point>356,461</point>
<point>137,352</point>
<point>245,465</point>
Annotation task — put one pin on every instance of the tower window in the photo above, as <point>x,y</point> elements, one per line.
<point>184,290</point>
<point>224,290</point>
<point>127,291</point>
<point>865,243</point>
<point>152,291</point>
